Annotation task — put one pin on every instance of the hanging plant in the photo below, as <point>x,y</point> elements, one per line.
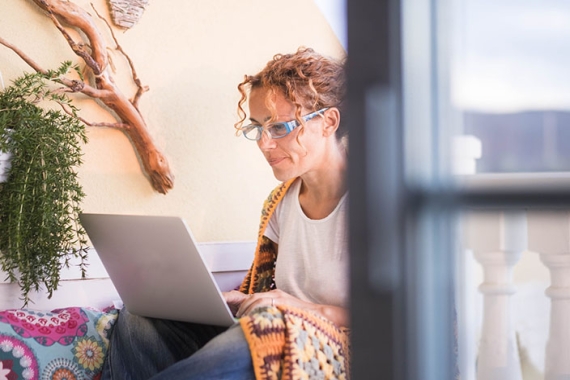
<point>40,201</point>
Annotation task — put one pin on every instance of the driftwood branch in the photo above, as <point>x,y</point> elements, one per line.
<point>140,88</point>
<point>93,51</point>
<point>91,124</point>
<point>22,55</point>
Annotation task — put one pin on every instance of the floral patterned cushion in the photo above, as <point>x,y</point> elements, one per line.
<point>68,343</point>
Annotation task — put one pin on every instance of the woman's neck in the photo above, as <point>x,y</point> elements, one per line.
<point>322,188</point>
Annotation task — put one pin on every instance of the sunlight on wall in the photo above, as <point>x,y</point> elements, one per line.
<point>192,55</point>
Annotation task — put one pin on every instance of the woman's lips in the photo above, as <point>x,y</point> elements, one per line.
<point>274,161</point>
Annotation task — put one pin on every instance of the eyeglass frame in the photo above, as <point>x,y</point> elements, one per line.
<point>289,125</point>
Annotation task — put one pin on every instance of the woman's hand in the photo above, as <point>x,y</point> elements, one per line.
<point>276,297</point>
<point>271,298</point>
<point>234,299</point>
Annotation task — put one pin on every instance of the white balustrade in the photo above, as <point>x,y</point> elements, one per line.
<point>549,235</point>
<point>497,239</point>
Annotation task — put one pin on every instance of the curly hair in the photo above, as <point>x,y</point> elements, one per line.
<point>306,78</point>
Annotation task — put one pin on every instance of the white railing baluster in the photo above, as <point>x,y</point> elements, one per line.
<point>549,235</point>
<point>497,239</point>
<point>498,357</point>
<point>557,364</point>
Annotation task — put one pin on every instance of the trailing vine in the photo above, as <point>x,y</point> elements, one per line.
<point>40,232</point>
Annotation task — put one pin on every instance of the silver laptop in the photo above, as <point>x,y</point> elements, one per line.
<point>156,267</point>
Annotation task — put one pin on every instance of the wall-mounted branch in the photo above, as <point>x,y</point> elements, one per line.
<point>93,51</point>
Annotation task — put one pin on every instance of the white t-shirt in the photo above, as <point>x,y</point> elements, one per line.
<point>312,263</point>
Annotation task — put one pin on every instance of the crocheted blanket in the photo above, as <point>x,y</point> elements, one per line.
<point>289,343</point>
<point>286,342</point>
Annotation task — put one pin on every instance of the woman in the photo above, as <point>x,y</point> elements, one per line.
<point>292,305</point>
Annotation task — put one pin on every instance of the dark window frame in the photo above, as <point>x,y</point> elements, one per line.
<point>402,293</point>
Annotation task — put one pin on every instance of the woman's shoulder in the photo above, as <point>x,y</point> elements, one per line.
<point>279,191</point>
<point>274,198</point>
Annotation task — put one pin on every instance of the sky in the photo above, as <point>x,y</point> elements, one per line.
<point>511,55</point>
<point>507,55</point>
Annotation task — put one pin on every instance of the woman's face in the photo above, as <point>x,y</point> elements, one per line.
<point>298,152</point>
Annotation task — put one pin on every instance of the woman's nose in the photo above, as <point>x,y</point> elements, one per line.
<point>266,141</point>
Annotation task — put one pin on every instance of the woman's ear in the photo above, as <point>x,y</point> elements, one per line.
<point>332,121</point>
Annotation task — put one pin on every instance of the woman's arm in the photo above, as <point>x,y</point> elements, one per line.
<point>336,314</point>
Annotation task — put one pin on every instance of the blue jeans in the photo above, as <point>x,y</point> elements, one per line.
<point>143,348</point>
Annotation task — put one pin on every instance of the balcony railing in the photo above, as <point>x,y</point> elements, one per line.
<point>497,238</point>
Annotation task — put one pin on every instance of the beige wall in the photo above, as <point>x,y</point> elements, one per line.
<point>192,54</point>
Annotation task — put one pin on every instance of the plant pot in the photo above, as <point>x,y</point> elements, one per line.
<point>5,163</point>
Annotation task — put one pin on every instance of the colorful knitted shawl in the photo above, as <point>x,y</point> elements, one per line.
<point>285,342</point>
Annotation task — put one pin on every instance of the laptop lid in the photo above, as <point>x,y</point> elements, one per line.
<point>156,267</point>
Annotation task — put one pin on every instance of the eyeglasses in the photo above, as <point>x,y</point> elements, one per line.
<point>276,130</point>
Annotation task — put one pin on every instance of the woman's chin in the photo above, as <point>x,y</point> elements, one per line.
<point>283,176</point>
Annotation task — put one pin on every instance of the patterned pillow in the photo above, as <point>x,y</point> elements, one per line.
<point>68,343</point>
